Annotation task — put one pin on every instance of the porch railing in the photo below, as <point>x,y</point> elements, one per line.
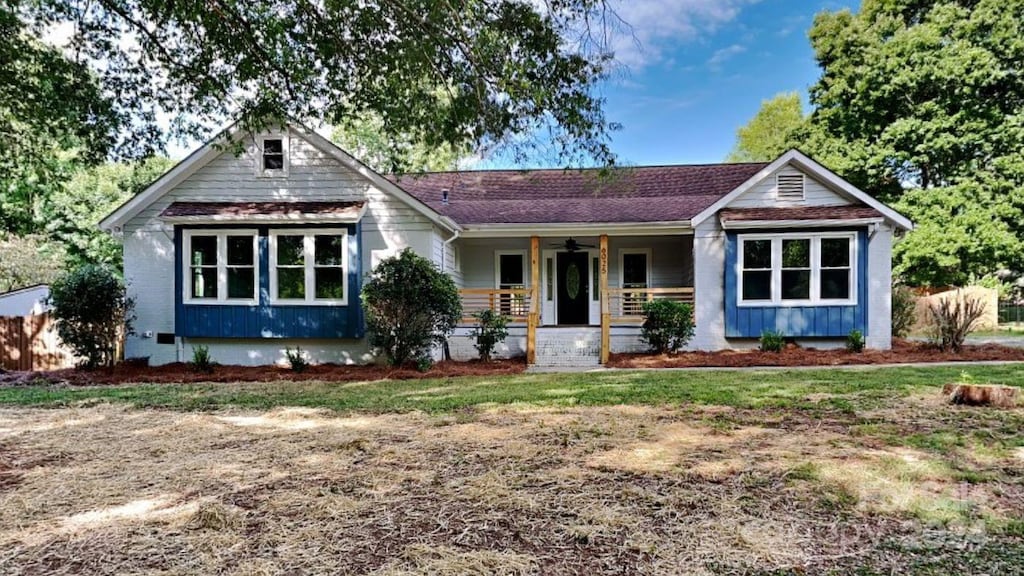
<point>512,302</point>
<point>626,305</point>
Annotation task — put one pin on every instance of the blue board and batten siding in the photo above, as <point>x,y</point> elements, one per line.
<point>266,320</point>
<point>795,321</point>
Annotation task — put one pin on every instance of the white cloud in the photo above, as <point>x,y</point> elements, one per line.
<point>658,25</point>
<point>720,56</point>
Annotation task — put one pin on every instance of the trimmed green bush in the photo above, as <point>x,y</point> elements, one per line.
<point>668,325</point>
<point>410,305</point>
<point>855,341</point>
<point>772,341</point>
<point>491,329</point>
<point>92,313</point>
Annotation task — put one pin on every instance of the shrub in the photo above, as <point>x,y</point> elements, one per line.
<point>772,341</point>
<point>92,313</point>
<point>855,341</point>
<point>201,359</point>
<point>951,319</point>
<point>491,329</point>
<point>904,303</point>
<point>410,305</point>
<point>297,360</point>
<point>668,325</point>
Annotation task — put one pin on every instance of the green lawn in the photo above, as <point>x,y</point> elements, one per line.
<point>840,388</point>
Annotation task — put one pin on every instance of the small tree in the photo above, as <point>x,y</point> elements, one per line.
<point>904,304</point>
<point>953,318</point>
<point>667,326</point>
<point>410,305</point>
<point>92,313</point>
<point>491,329</point>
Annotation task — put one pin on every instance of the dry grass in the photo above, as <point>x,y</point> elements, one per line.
<point>114,490</point>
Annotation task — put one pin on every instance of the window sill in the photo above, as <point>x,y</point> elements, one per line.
<point>796,303</point>
<point>220,302</point>
<point>323,303</point>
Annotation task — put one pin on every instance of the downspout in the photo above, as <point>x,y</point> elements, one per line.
<point>444,268</point>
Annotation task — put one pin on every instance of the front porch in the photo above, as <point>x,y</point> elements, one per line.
<point>571,301</point>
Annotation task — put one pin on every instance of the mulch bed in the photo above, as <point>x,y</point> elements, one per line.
<point>903,352</point>
<point>183,373</point>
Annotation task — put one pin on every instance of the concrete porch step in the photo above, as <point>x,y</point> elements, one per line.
<point>568,347</point>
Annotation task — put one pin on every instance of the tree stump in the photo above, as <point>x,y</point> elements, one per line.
<point>981,395</point>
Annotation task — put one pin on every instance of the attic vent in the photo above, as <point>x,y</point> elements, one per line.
<point>790,186</point>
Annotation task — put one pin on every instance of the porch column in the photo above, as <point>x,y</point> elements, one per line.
<point>534,317</point>
<point>606,323</point>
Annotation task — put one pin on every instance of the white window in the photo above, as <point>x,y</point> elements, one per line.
<point>309,266</point>
<point>634,272</point>
<point>272,156</point>
<point>221,266</point>
<point>510,274</point>
<point>797,269</point>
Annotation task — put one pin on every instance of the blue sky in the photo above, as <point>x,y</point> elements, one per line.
<point>701,71</point>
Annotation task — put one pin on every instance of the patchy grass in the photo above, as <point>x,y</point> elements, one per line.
<point>799,472</point>
<point>844,389</point>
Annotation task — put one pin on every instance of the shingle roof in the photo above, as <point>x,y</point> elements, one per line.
<point>640,194</point>
<point>798,213</point>
<point>240,210</point>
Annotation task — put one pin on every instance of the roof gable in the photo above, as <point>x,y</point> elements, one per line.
<point>808,166</point>
<point>213,148</point>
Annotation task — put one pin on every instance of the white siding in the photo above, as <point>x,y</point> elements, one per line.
<point>388,226</point>
<point>444,255</point>
<point>763,195</point>
<point>880,288</point>
<point>709,286</point>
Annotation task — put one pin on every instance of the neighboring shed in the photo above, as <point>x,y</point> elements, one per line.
<point>27,301</point>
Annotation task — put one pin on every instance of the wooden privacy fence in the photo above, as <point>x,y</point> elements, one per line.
<point>31,343</point>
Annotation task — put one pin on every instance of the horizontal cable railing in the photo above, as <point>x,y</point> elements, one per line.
<point>511,302</point>
<point>626,305</point>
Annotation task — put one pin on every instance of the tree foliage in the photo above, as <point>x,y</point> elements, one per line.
<point>366,139</point>
<point>441,72</point>
<point>54,118</point>
<point>92,313</point>
<point>921,103</point>
<point>768,134</point>
<point>28,260</point>
<point>73,211</point>
<point>409,305</point>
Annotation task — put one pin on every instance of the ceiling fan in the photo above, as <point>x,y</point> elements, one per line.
<point>571,245</point>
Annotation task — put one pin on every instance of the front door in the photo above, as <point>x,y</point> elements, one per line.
<point>573,288</point>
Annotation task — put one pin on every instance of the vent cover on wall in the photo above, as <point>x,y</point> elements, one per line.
<point>790,186</point>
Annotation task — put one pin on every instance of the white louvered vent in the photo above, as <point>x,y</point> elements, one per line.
<point>790,186</point>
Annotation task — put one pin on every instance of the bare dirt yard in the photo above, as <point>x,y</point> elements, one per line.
<point>917,486</point>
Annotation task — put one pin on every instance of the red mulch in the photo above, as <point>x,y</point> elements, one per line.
<point>183,373</point>
<point>903,352</point>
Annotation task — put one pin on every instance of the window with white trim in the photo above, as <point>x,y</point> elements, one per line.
<point>634,272</point>
<point>308,266</point>
<point>788,269</point>
<point>221,266</point>
<point>510,274</point>
<point>272,157</point>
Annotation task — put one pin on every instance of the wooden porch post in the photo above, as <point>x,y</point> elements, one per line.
<point>606,335</point>
<point>534,317</point>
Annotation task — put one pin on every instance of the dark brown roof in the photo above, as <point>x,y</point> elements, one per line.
<point>798,213</point>
<point>640,194</point>
<point>231,210</point>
